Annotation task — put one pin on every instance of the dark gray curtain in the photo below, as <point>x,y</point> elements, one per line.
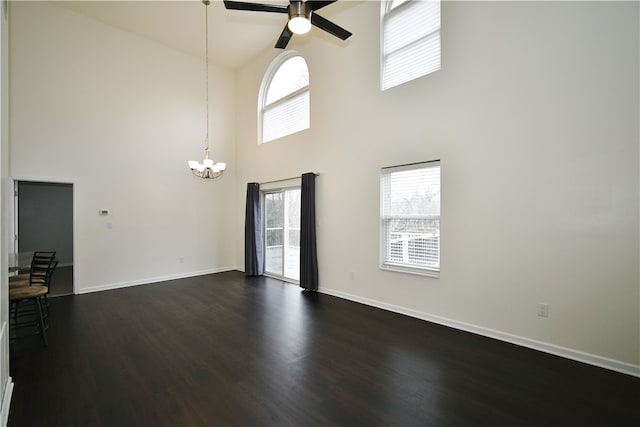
<point>308,251</point>
<point>253,261</point>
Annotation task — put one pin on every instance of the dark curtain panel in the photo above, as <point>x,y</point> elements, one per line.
<point>308,251</point>
<point>253,261</point>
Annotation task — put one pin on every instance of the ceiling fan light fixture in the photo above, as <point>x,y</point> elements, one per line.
<point>302,16</point>
<point>299,25</point>
<point>299,18</point>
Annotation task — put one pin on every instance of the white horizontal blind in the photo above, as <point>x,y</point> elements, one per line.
<point>285,106</point>
<point>411,41</point>
<point>410,217</point>
<point>284,118</point>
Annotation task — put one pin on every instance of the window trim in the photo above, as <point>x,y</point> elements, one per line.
<point>383,263</point>
<point>264,89</point>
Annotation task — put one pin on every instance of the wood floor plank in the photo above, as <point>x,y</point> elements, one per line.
<point>229,350</point>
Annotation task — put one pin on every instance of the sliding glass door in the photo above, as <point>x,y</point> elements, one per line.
<point>282,233</point>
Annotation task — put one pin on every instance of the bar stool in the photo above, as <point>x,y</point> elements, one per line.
<point>37,275</point>
<point>34,294</point>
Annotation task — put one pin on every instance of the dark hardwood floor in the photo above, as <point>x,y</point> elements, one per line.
<point>225,350</point>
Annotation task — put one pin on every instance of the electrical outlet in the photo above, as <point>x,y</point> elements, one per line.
<point>543,309</point>
<point>352,275</point>
<point>181,260</point>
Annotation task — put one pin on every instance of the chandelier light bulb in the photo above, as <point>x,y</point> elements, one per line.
<point>219,167</point>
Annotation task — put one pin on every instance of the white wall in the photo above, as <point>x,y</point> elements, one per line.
<point>6,384</point>
<point>119,116</point>
<point>534,116</point>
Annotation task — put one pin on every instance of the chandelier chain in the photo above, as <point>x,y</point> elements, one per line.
<point>206,60</point>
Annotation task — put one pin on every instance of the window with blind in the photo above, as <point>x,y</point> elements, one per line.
<point>410,218</point>
<point>284,98</point>
<point>410,40</point>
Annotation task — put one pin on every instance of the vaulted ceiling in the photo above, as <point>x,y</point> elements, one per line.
<point>235,37</point>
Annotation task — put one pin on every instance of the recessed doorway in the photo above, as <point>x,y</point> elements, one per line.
<point>44,222</point>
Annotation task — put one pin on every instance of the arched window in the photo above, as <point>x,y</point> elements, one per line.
<point>410,40</point>
<point>283,105</point>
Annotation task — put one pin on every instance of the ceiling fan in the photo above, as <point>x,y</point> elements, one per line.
<point>302,14</point>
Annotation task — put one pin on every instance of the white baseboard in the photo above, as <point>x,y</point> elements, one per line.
<point>110,286</point>
<point>6,402</point>
<point>580,356</point>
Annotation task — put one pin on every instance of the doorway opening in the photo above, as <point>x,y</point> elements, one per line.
<point>282,234</point>
<point>43,221</point>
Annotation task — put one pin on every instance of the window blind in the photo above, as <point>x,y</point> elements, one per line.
<point>287,117</point>
<point>410,217</point>
<point>411,41</point>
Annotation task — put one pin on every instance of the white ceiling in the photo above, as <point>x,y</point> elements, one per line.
<point>235,37</point>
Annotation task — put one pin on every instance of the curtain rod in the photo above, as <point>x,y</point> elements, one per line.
<point>286,179</point>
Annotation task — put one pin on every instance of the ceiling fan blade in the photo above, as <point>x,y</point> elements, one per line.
<point>283,41</point>
<point>315,5</point>
<point>329,27</point>
<point>256,7</point>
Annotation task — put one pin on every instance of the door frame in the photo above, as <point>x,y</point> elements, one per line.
<point>14,216</point>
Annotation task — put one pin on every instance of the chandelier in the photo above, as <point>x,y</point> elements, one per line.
<point>207,169</point>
